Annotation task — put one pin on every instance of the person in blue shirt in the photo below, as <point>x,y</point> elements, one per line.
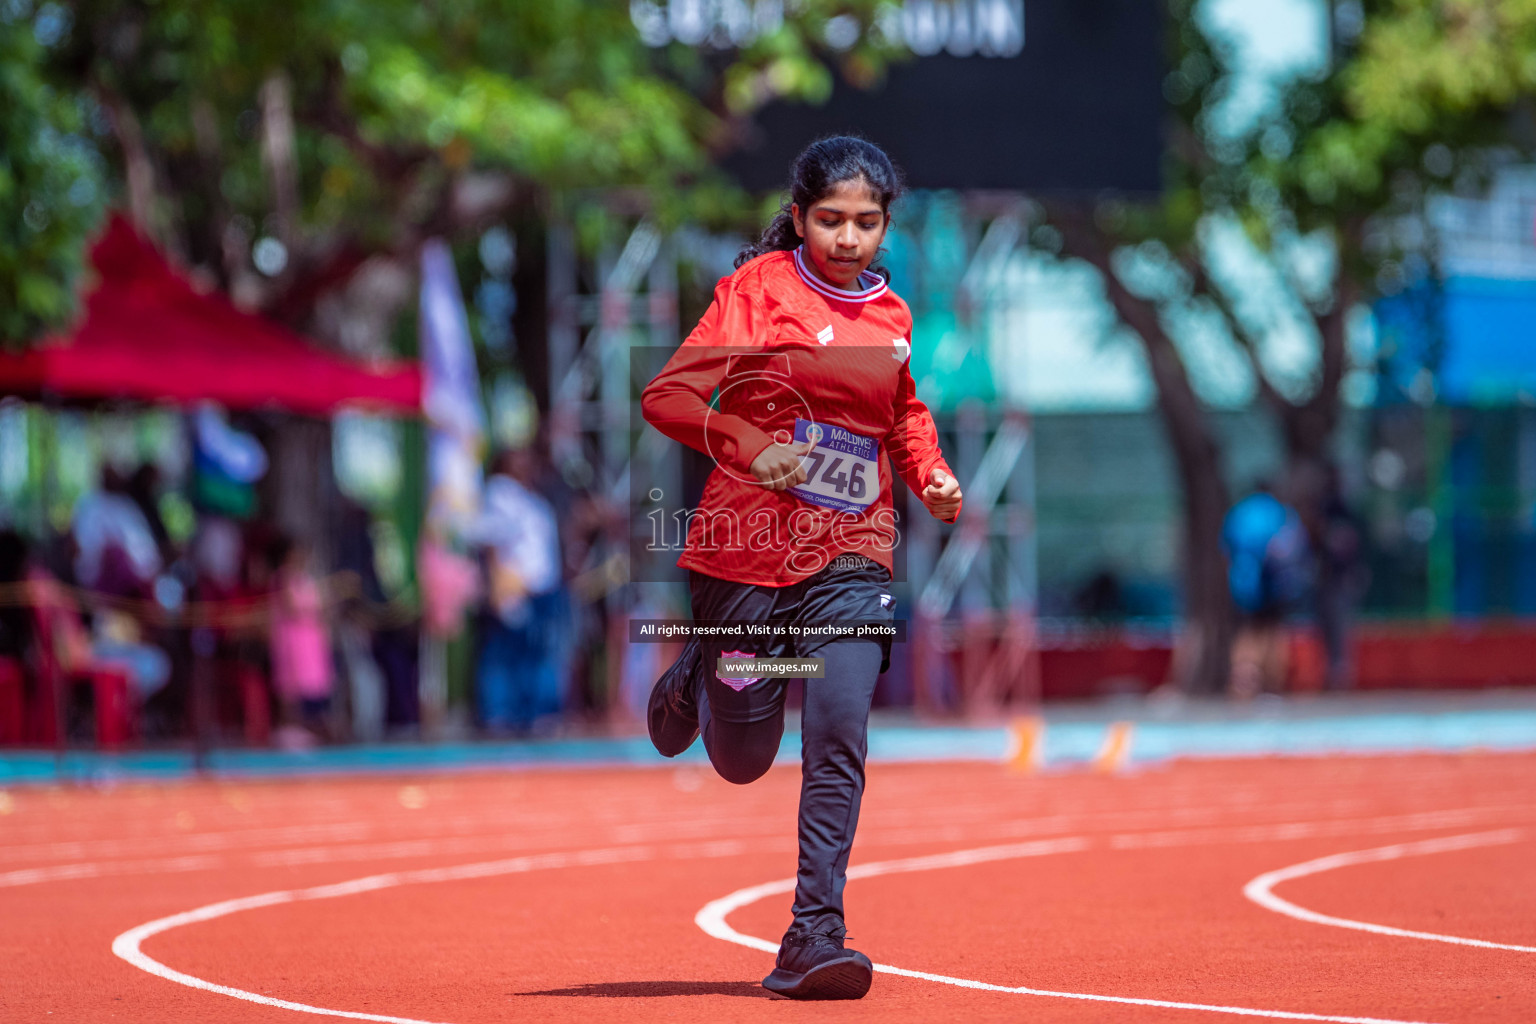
<point>1268,575</point>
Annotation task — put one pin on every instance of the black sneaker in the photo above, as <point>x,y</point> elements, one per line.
<point>672,714</point>
<point>816,966</point>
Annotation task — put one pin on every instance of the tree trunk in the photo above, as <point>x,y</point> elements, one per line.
<point>1311,483</point>
<point>1202,651</point>
<point>1202,654</point>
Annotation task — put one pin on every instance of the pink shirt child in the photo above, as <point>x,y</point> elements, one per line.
<point>301,644</point>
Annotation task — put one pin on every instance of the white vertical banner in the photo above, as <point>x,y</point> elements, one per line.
<point>451,395</point>
<point>455,448</point>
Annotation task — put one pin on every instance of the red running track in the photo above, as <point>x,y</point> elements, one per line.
<point>1128,887</point>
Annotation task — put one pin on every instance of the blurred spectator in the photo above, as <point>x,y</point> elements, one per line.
<point>520,619</point>
<point>229,568</point>
<point>143,489</point>
<point>115,547</point>
<point>381,666</point>
<point>449,584</point>
<point>302,672</point>
<point>15,616</point>
<point>1338,538</point>
<point>365,687</point>
<point>15,635</point>
<point>116,555</point>
<point>218,557</point>
<point>226,465</point>
<point>590,525</point>
<point>1267,554</point>
<point>1101,597</point>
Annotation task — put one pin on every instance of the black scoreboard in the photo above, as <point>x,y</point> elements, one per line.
<point>1035,95</point>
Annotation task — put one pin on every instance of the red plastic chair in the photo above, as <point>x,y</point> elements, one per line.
<point>12,702</point>
<point>114,706</point>
<point>55,621</point>
<point>255,704</point>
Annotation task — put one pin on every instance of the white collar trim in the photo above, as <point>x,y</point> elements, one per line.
<point>874,285</point>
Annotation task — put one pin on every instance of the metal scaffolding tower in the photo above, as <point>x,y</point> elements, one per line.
<point>973,627</point>
<point>974,594</point>
<point>600,306</point>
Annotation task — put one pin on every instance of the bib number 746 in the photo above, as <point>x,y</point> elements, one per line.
<point>841,467</point>
<point>849,481</point>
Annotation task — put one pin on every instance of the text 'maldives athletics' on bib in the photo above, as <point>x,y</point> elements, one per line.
<point>841,469</point>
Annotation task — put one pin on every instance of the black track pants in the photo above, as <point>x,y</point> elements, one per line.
<point>742,727</point>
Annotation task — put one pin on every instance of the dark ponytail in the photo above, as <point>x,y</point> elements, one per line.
<point>824,165</point>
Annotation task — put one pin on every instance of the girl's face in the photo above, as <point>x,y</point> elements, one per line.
<point>842,231</point>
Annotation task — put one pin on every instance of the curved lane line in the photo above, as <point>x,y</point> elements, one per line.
<point>1261,889</point>
<point>127,945</point>
<point>711,918</point>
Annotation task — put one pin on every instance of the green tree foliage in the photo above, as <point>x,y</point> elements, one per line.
<point>277,146</point>
<point>50,178</point>
<point>1421,62</point>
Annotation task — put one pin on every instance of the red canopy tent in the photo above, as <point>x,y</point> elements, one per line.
<point>149,335</point>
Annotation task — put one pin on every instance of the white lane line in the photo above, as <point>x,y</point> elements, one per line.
<point>201,842</point>
<point>1261,889</point>
<point>73,872</point>
<point>127,945</point>
<point>520,842</point>
<point>1423,821</point>
<point>712,919</point>
<point>657,829</point>
<point>1178,825</point>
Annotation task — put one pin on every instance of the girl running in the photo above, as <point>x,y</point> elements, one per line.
<point>796,382</point>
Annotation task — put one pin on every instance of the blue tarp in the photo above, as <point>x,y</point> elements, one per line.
<point>1478,335</point>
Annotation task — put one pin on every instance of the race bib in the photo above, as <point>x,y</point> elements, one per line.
<point>841,469</point>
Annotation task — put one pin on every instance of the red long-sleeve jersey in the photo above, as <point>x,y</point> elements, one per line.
<point>778,345</point>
